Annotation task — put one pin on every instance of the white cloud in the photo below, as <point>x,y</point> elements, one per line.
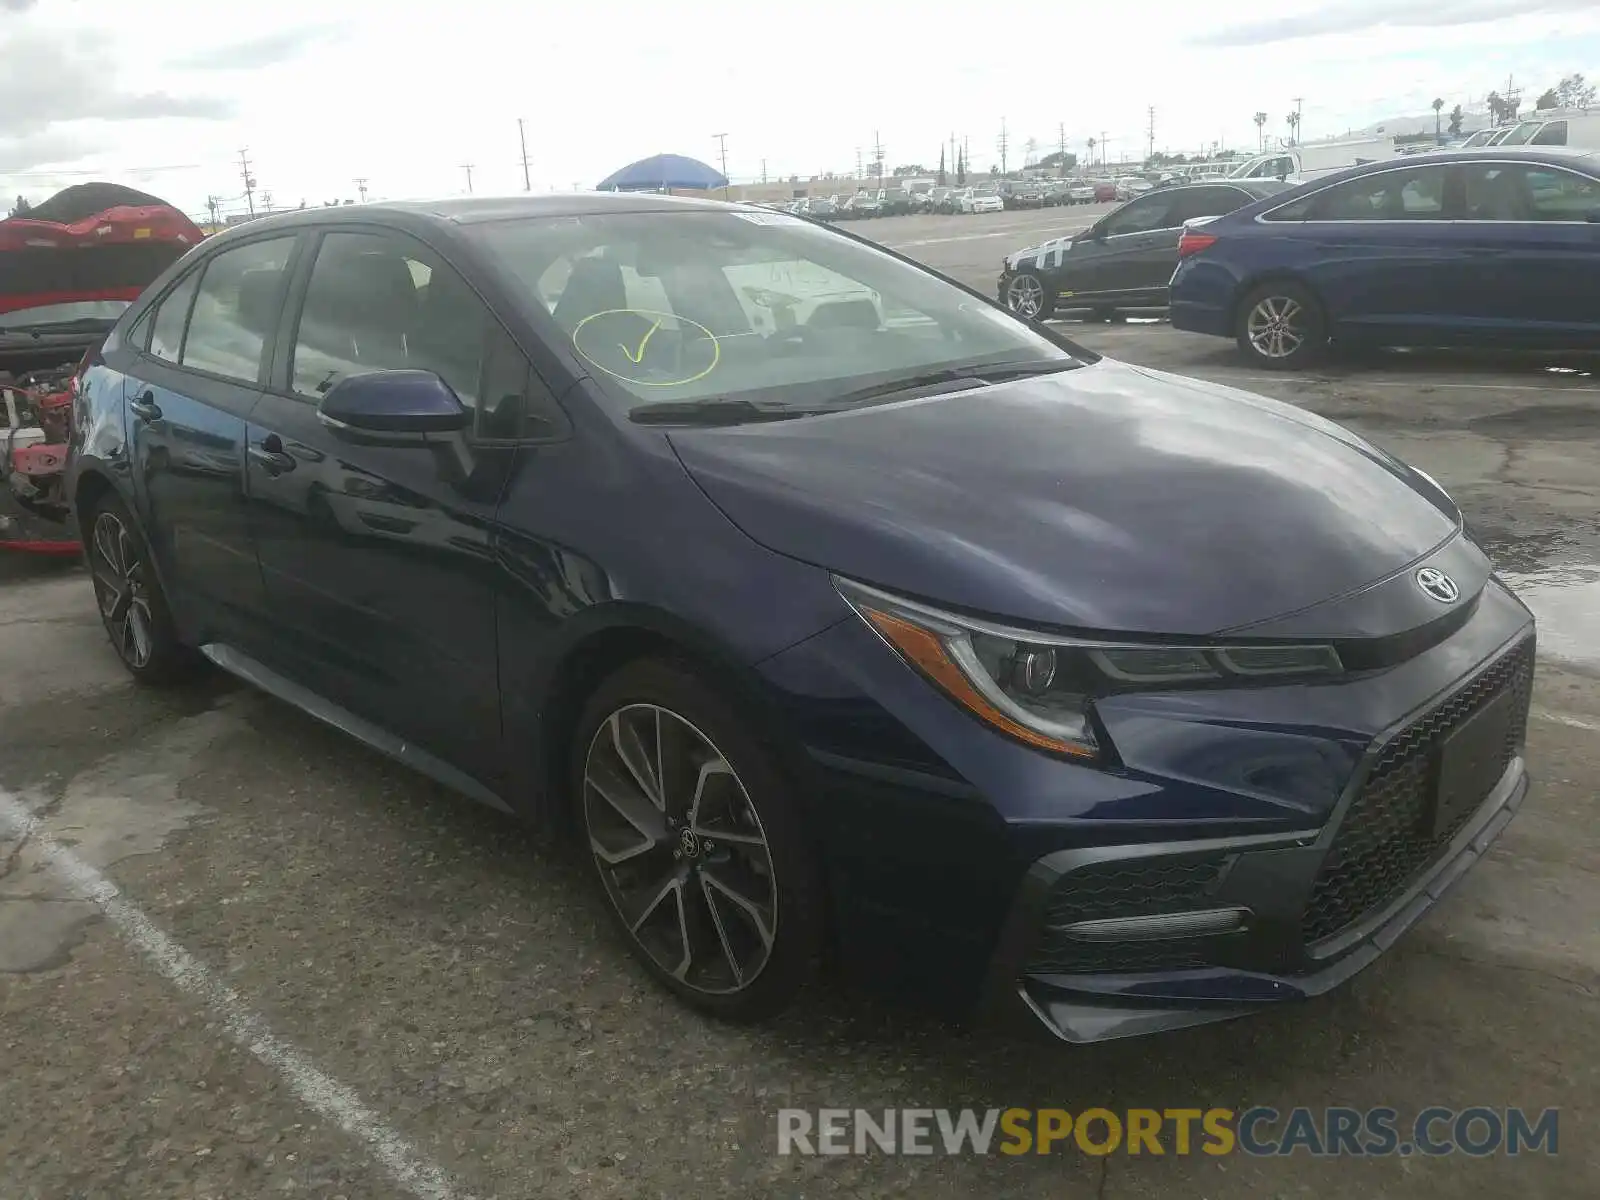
<point>404,94</point>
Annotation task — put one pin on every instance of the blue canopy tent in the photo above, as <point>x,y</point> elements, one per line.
<point>661,172</point>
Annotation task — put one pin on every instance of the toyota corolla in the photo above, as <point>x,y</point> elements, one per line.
<point>838,615</point>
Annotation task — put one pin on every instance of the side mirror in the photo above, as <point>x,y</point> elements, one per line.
<point>400,402</point>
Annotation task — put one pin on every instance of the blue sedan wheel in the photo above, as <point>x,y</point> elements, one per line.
<point>1280,326</point>
<point>697,842</point>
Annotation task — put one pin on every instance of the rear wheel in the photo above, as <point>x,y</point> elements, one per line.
<point>1027,296</point>
<point>132,605</point>
<point>1280,326</point>
<point>698,842</point>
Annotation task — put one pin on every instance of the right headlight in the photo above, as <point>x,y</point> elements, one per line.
<point>1038,688</point>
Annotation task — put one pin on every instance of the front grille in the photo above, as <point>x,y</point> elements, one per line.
<point>1383,843</point>
<point>1126,888</point>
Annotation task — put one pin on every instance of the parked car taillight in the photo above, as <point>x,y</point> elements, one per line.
<point>1192,242</point>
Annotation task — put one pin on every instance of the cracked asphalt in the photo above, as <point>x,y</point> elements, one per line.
<point>463,986</point>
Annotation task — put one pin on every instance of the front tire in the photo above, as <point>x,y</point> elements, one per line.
<point>1029,297</point>
<point>1280,326</point>
<point>698,842</point>
<point>133,608</point>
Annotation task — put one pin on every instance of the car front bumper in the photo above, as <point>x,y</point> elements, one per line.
<point>1245,847</point>
<point>1112,942</point>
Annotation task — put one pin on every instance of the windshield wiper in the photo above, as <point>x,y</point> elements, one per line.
<point>977,374</point>
<point>714,411</point>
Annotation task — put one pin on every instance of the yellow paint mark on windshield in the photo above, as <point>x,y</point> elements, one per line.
<point>595,336</point>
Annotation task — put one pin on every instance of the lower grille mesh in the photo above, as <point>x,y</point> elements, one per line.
<point>1383,842</point>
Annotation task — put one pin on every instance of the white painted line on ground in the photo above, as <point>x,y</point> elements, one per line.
<point>1567,719</point>
<point>326,1097</point>
<point>1047,232</point>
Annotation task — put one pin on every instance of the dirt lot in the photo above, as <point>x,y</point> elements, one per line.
<point>283,966</point>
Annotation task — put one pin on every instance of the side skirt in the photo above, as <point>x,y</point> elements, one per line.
<point>239,664</point>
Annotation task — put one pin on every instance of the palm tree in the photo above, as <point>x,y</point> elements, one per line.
<point>1091,152</point>
<point>1294,126</point>
<point>1438,105</point>
<point>1261,130</point>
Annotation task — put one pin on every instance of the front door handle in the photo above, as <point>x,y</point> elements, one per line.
<point>269,455</point>
<point>144,407</point>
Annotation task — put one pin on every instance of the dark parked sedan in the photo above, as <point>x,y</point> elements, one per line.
<point>1123,260</point>
<point>834,611</point>
<point>1494,247</point>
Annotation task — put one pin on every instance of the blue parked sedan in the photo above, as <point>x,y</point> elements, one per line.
<point>835,611</point>
<point>1494,247</point>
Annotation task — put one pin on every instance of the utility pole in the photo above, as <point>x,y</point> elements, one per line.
<point>522,137</point>
<point>249,181</point>
<point>1001,145</point>
<point>877,157</point>
<point>763,171</point>
<point>1151,134</point>
<point>1061,164</point>
<point>722,140</point>
<point>361,186</point>
<point>211,203</point>
<point>1299,133</point>
<point>467,167</point>
<point>1102,147</point>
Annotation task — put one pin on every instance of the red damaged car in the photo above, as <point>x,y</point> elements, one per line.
<point>68,268</point>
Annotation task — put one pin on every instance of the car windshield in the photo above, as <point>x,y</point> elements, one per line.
<point>74,312</point>
<point>689,306</point>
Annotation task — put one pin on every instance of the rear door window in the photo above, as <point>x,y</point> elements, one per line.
<point>1142,215</point>
<point>1208,202</point>
<point>236,309</point>
<point>1518,192</point>
<point>172,315</point>
<point>1385,196</point>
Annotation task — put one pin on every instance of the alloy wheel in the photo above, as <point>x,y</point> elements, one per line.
<point>122,590</point>
<point>680,849</point>
<point>1025,296</point>
<point>1276,326</point>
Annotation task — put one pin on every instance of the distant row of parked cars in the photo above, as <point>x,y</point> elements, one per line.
<point>1001,195</point>
<point>1490,246</point>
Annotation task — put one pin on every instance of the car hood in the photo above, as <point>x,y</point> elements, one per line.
<point>1109,497</point>
<point>1041,257</point>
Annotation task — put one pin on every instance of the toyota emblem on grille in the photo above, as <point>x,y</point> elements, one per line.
<point>1437,584</point>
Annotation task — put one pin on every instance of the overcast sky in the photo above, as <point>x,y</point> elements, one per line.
<point>404,94</point>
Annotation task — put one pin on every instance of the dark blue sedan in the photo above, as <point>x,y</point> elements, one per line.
<point>834,612</point>
<point>1494,247</point>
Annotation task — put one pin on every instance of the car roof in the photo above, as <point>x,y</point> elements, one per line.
<point>472,210</point>
<point>1572,156</point>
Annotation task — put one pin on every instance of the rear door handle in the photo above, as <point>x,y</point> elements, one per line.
<point>269,455</point>
<point>144,407</point>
